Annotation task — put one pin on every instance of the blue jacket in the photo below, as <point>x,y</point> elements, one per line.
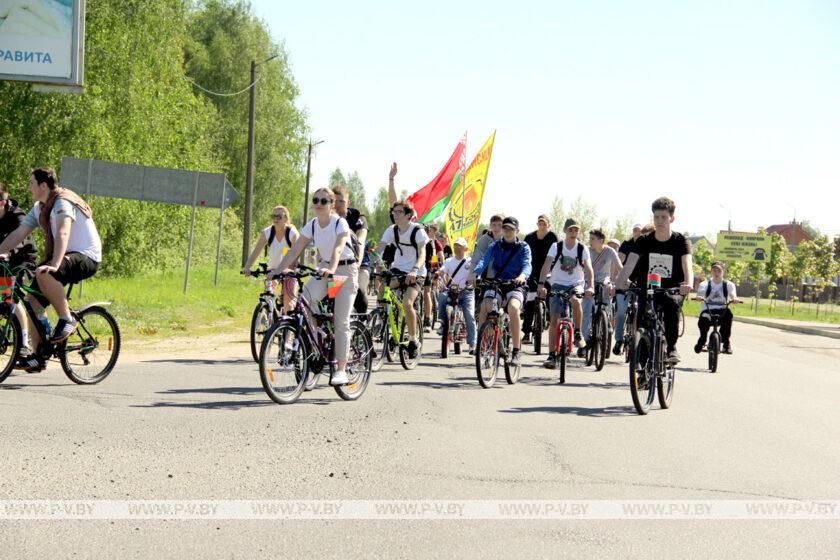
<point>499,252</point>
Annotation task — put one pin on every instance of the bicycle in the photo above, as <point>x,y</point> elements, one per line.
<point>714,343</point>
<point>600,330</point>
<point>493,343</point>
<point>454,317</point>
<point>267,312</point>
<point>632,300</point>
<point>296,349</point>
<point>542,320</point>
<point>564,335</point>
<point>79,355</point>
<point>388,322</point>
<point>650,374</point>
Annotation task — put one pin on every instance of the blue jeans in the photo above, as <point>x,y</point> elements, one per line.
<point>620,315</point>
<point>467,302</point>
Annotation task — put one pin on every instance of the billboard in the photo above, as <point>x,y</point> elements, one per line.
<point>740,246</point>
<point>42,41</point>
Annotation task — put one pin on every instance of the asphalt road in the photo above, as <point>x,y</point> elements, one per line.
<point>191,422</point>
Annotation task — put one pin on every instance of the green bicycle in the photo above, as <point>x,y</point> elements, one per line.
<point>388,327</point>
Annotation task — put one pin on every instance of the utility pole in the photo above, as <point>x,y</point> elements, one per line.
<point>308,173</point>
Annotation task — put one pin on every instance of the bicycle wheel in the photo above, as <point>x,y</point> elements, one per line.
<point>378,327</point>
<point>444,334</point>
<point>10,343</point>
<point>419,309</point>
<point>91,352</point>
<point>538,327</point>
<point>511,373</point>
<point>359,362</point>
<point>714,351</point>
<point>563,351</point>
<point>665,381</point>
<point>487,355</point>
<point>457,330</point>
<point>284,367</point>
<point>408,363</point>
<point>602,341</point>
<point>590,349</point>
<point>682,322</point>
<point>261,319</point>
<point>642,381</point>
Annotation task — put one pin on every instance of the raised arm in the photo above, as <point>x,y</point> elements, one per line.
<point>392,190</point>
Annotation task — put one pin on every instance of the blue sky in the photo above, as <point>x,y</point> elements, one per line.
<point>732,103</point>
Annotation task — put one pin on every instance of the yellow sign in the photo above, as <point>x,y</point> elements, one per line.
<point>740,246</point>
<point>464,212</point>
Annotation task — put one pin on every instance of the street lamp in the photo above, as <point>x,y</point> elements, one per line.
<point>249,172</point>
<point>308,167</point>
<point>729,227</point>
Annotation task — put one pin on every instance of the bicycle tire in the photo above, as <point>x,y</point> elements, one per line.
<point>359,362</point>
<point>457,332</point>
<point>511,373</point>
<point>714,351</point>
<point>602,341</point>
<point>639,375</point>
<point>563,351</point>
<point>682,322</point>
<point>296,359</point>
<point>486,355</point>
<point>444,335</point>
<point>538,326</point>
<point>407,363</point>
<point>261,310</point>
<point>590,349</point>
<point>378,327</point>
<point>88,344</point>
<point>665,382</point>
<point>9,324</point>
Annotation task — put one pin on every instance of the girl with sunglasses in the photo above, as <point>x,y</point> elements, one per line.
<point>278,238</point>
<point>331,235</point>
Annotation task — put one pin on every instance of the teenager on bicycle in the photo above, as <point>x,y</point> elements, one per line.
<point>434,257</point>
<point>409,239</point>
<point>337,257</point>
<point>715,293</point>
<point>510,258</point>
<point>606,267</point>
<point>668,254</point>
<point>72,253</point>
<point>456,272</point>
<point>359,228</point>
<point>279,237</point>
<point>540,241</point>
<point>570,268</point>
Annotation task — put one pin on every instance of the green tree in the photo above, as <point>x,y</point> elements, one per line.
<point>586,214</point>
<point>380,216</point>
<point>702,258</point>
<point>357,193</point>
<point>337,178</point>
<point>824,267</point>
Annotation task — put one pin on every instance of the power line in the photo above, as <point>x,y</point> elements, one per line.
<point>254,83</point>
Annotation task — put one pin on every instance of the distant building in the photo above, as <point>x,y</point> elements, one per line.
<point>696,238</point>
<point>793,234</point>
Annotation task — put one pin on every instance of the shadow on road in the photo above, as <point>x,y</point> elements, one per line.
<point>610,411</point>
<point>228,405</point>
<point>202,362</point>
<point>214,391</point>
<point>431,384</point>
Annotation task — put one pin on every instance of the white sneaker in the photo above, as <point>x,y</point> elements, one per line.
<point>339,378</point>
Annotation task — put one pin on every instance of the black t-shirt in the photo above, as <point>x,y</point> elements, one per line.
<point>661,257</point>
<point>355,220</point>
<point>539,250</point>
<point>447,251</point>
<point>626,248</point>
<point>27,252</point>
<point>432,248</point>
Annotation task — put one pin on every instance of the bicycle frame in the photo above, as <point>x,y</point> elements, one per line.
<point>564,322</point>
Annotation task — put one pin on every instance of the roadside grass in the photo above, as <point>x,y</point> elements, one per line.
<point>828,313</point>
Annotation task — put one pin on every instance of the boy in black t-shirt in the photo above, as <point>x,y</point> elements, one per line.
<point>668,254</point>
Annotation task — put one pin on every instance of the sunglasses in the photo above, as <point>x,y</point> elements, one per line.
<point>278,216</point>
<point>322,201</point>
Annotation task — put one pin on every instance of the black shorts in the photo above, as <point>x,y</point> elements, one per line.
<point>427,281</point>
<point>74,268</point>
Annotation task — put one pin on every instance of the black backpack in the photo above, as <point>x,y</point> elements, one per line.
<point>560,254</point>
<point>412,239</point>
<point>287,235</point>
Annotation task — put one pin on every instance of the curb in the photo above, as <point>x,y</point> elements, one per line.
<point>792,328</point>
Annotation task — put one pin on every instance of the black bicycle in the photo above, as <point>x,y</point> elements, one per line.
<point>268,310</point>
<point>453,328</point>
<point>627,336</point>
<point>650,373</point>
<point>87,356</point>
<point>542,320</point>
<point>600,328</point>
<point>714,343</point>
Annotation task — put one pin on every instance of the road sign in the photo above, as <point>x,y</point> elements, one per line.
<point>742,246</point>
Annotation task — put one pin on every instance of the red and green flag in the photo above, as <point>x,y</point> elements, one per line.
<point>431,201</point>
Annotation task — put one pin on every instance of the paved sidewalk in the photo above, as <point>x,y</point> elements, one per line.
<point>831,330</point>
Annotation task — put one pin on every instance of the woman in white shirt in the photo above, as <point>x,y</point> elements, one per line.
<point>279,237</point>
<point>331,235</point>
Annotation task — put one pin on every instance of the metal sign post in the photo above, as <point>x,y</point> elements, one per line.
<point>192,233</point>
<point>219,239</point>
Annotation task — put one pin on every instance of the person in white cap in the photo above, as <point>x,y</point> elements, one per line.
<point>455,272</point>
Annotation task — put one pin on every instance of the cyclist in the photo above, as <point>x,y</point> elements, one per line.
<point>570,268</point>
<point>456,271</point>
<point>715,293</point>
<point>540,241</point>
<point>434,256</point>
<point>624,249</point>
<point>511,260</point>
<point>359,230</point>
<point>279,238</point>
<point>606,266</point>
<point>409,240</point>
<point>25,255</point>
<point>668,254</point>
<point>72,252</point>
<point>615,244</point>
<point>337,256</point>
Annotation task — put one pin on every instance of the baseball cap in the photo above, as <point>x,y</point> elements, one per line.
<point>615,241</point>
<point>461,241</point>
<point>637,226</point>
<point>543,217</point>
<point>571,222</point>
<point>511,222</point>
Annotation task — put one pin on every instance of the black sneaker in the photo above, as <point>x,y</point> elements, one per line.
<point>579,340</point>
<point>34,364</point>
<point>551,361</point>
<point>412,350</point>
<point>63,330</point>
<point>698,348</point>
<point>581,352</point>
<point>673,357</point>
<point>727,349</point>
<point>617,348</point>
<point>514,358</point>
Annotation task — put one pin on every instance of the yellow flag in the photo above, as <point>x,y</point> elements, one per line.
<point>464,213</point>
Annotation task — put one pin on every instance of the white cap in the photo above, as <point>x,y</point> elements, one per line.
<point>637,226</point>
<point>461,241</point>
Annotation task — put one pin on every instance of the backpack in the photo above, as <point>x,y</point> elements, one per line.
<point>287,234</point>
<point>560,254</point>
<point>725,289</point>
<point>412,240</point>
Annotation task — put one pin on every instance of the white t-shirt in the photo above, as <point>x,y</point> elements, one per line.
<point>567,271</point>
<point>84,238</point>
<point>325,238</point>
<point>405,256</point>
<point>716,299</point>
<point>279,246</point>
<point>460,279</point>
